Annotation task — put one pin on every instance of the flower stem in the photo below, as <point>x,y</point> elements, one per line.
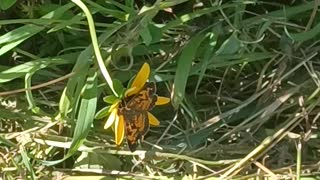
<point>94,40</point>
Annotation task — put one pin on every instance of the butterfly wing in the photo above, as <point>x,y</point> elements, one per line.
<point>145,100</point>
<point>137,125</point>
<point>136,114</point>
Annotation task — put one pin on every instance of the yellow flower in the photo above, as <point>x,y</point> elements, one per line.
<point>118,120</point>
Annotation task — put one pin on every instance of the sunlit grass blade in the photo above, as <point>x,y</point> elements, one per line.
<point>104,71</point>
<point>69,99</point>
<point>17,37</point>
<point>29,96</point>
<point>191,16</point>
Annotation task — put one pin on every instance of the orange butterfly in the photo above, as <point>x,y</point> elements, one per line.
<point>135,112</point>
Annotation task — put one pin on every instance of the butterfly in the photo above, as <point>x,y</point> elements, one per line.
<point>135,112</point>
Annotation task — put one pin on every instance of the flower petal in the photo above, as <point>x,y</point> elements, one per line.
<point>113,115</point>
<point>115,105</point>
<point>162,100</point>
<point>140,79</point>
<point>153,120</point>
<point>119,130</point>
<point>129,91</point>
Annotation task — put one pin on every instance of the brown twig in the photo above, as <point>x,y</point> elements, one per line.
<point>6,93</point>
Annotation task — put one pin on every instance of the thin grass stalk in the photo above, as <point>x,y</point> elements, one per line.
<point>95,45</point>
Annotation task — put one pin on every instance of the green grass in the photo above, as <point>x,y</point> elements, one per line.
<point>243,77</point>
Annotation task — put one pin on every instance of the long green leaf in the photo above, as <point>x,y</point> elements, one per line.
<point>183,68</point>
<point>69,98</point>
<point>33,66</point>
<point>206,59</point>
<point>86,113</point>
<point>85,117</point>
<point>15,37</point>
<point>6,4</point>
<point>25,160</point>
<point>304,36</point>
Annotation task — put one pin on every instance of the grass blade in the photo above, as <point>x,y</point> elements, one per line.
<point>183,68</point>
<point>13,38</point>
<point>85,117</point>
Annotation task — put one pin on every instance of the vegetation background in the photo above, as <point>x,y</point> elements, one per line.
<point>243,77</point>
